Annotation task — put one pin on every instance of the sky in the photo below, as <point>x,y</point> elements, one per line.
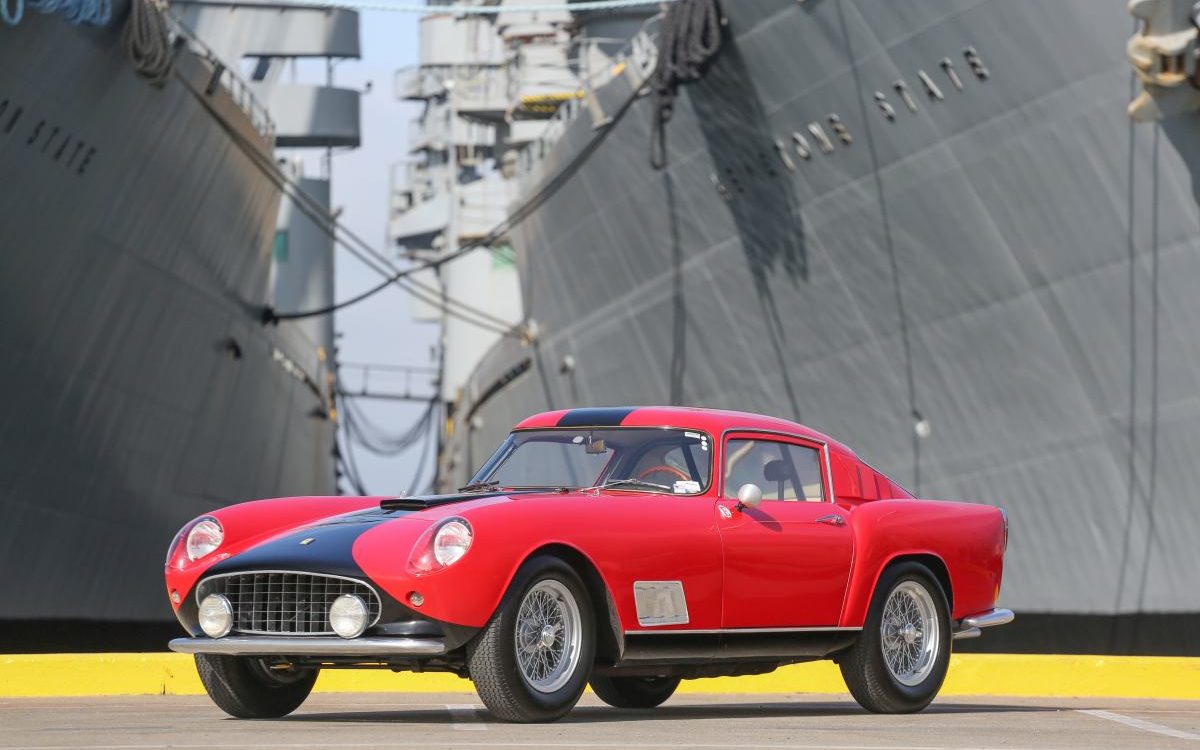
<point>377,330</point>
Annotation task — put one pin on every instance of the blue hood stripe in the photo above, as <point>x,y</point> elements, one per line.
<point>328,552</point>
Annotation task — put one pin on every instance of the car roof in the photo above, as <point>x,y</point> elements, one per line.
<point>712,421</point>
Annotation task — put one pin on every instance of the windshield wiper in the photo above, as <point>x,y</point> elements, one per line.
<point>479,486</point>
<point>634,481</point>
<point>560,489</point>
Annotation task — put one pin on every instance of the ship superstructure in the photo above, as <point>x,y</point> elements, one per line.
<point>492,87</point>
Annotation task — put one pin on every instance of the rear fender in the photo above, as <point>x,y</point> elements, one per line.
<point>966,540</point>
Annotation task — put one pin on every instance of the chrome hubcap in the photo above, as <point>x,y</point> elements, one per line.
<point>548,636</point>
<point>909,633</point>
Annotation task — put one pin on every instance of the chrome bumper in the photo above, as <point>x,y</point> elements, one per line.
<point>268,645</point>
<point>971,627</point>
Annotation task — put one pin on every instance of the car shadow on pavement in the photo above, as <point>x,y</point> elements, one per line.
<point>777,709</point>
<point>680,712</point>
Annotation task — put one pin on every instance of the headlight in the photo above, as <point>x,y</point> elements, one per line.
<point>204,537</point>
<point>451,542</point>
<point>440,545</point>
<point>216,616</point>
<point>348,616</point>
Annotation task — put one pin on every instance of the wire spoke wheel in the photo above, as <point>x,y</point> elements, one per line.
<point>548,636</point>
<point>909,634</point>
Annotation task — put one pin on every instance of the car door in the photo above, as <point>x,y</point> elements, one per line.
<point>786,562</point>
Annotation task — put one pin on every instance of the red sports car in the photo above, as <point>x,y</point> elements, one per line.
<point>628,548</point>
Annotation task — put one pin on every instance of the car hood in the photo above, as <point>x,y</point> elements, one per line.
<point>326,546</point>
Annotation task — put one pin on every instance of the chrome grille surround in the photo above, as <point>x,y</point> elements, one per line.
<point>273,602</point>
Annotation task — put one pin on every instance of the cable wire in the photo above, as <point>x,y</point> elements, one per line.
<point>358,247</point>
<point>391,274</point>
<point>518,215</point>
<point>376,439</point>
<point>421,463</point>
<point>358,428</point>
<point>480,10</point>
<point>345,467</point>
<point>331,226</point>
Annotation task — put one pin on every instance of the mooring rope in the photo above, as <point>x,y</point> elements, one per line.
<point>688,37</point>
<point>148,41</point>
<point>91,12</point>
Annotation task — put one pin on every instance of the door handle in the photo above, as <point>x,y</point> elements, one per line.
<point>833,519</point>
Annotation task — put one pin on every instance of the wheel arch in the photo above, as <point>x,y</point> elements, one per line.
<point>935,564</point>
<point>861,596</point>
<point>609,634</point>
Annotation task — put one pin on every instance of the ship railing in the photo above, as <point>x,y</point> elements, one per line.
<point>419,181</point>
<point>392,382</point>
<point>548,84</point>
<point>411,184</point>
<point>418,138</point>
<point>636,59</point>
<point>419,82</point>
<point>595,63</point>
<point>223,75</point>
<point>476,87</point>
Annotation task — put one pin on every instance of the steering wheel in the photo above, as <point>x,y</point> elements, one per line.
<point>665,469</point>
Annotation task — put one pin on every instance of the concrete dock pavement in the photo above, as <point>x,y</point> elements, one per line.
<point>730,722</point>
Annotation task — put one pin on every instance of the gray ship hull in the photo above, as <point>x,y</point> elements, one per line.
<point>140,389</point>
<point>1011,267</point>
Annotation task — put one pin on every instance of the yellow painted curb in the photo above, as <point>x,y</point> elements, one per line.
<point>1024,675</point>
<point>970,674</point>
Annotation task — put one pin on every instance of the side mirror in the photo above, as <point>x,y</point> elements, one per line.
<point>749,496</point>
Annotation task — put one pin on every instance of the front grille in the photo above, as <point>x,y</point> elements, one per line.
<point>271,602</point>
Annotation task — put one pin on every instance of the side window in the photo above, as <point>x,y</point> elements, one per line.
<point>784,471</point>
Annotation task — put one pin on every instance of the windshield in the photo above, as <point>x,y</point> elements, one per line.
<point>637,458</point>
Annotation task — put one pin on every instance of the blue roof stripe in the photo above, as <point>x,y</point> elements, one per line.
<point>604,416</point>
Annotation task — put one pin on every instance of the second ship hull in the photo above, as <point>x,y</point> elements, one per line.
<point>989,292</point>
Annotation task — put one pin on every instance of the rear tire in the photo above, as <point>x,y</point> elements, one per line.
<point>531,662</point>
<point>899,662</point>
<point>245,688</point>
<point>634,692</point>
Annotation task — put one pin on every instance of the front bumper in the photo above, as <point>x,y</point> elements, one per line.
<point>260,645</point>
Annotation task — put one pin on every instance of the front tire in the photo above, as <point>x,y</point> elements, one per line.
<point>532,660</point>
<point>246,688</point>
<point>899,662</point>
<point>634,692</point>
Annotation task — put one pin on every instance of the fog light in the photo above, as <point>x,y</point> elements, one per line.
<point>416,598</point>
<point>348,616</point>
<point>175,597</point>
<point>216,616</point>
